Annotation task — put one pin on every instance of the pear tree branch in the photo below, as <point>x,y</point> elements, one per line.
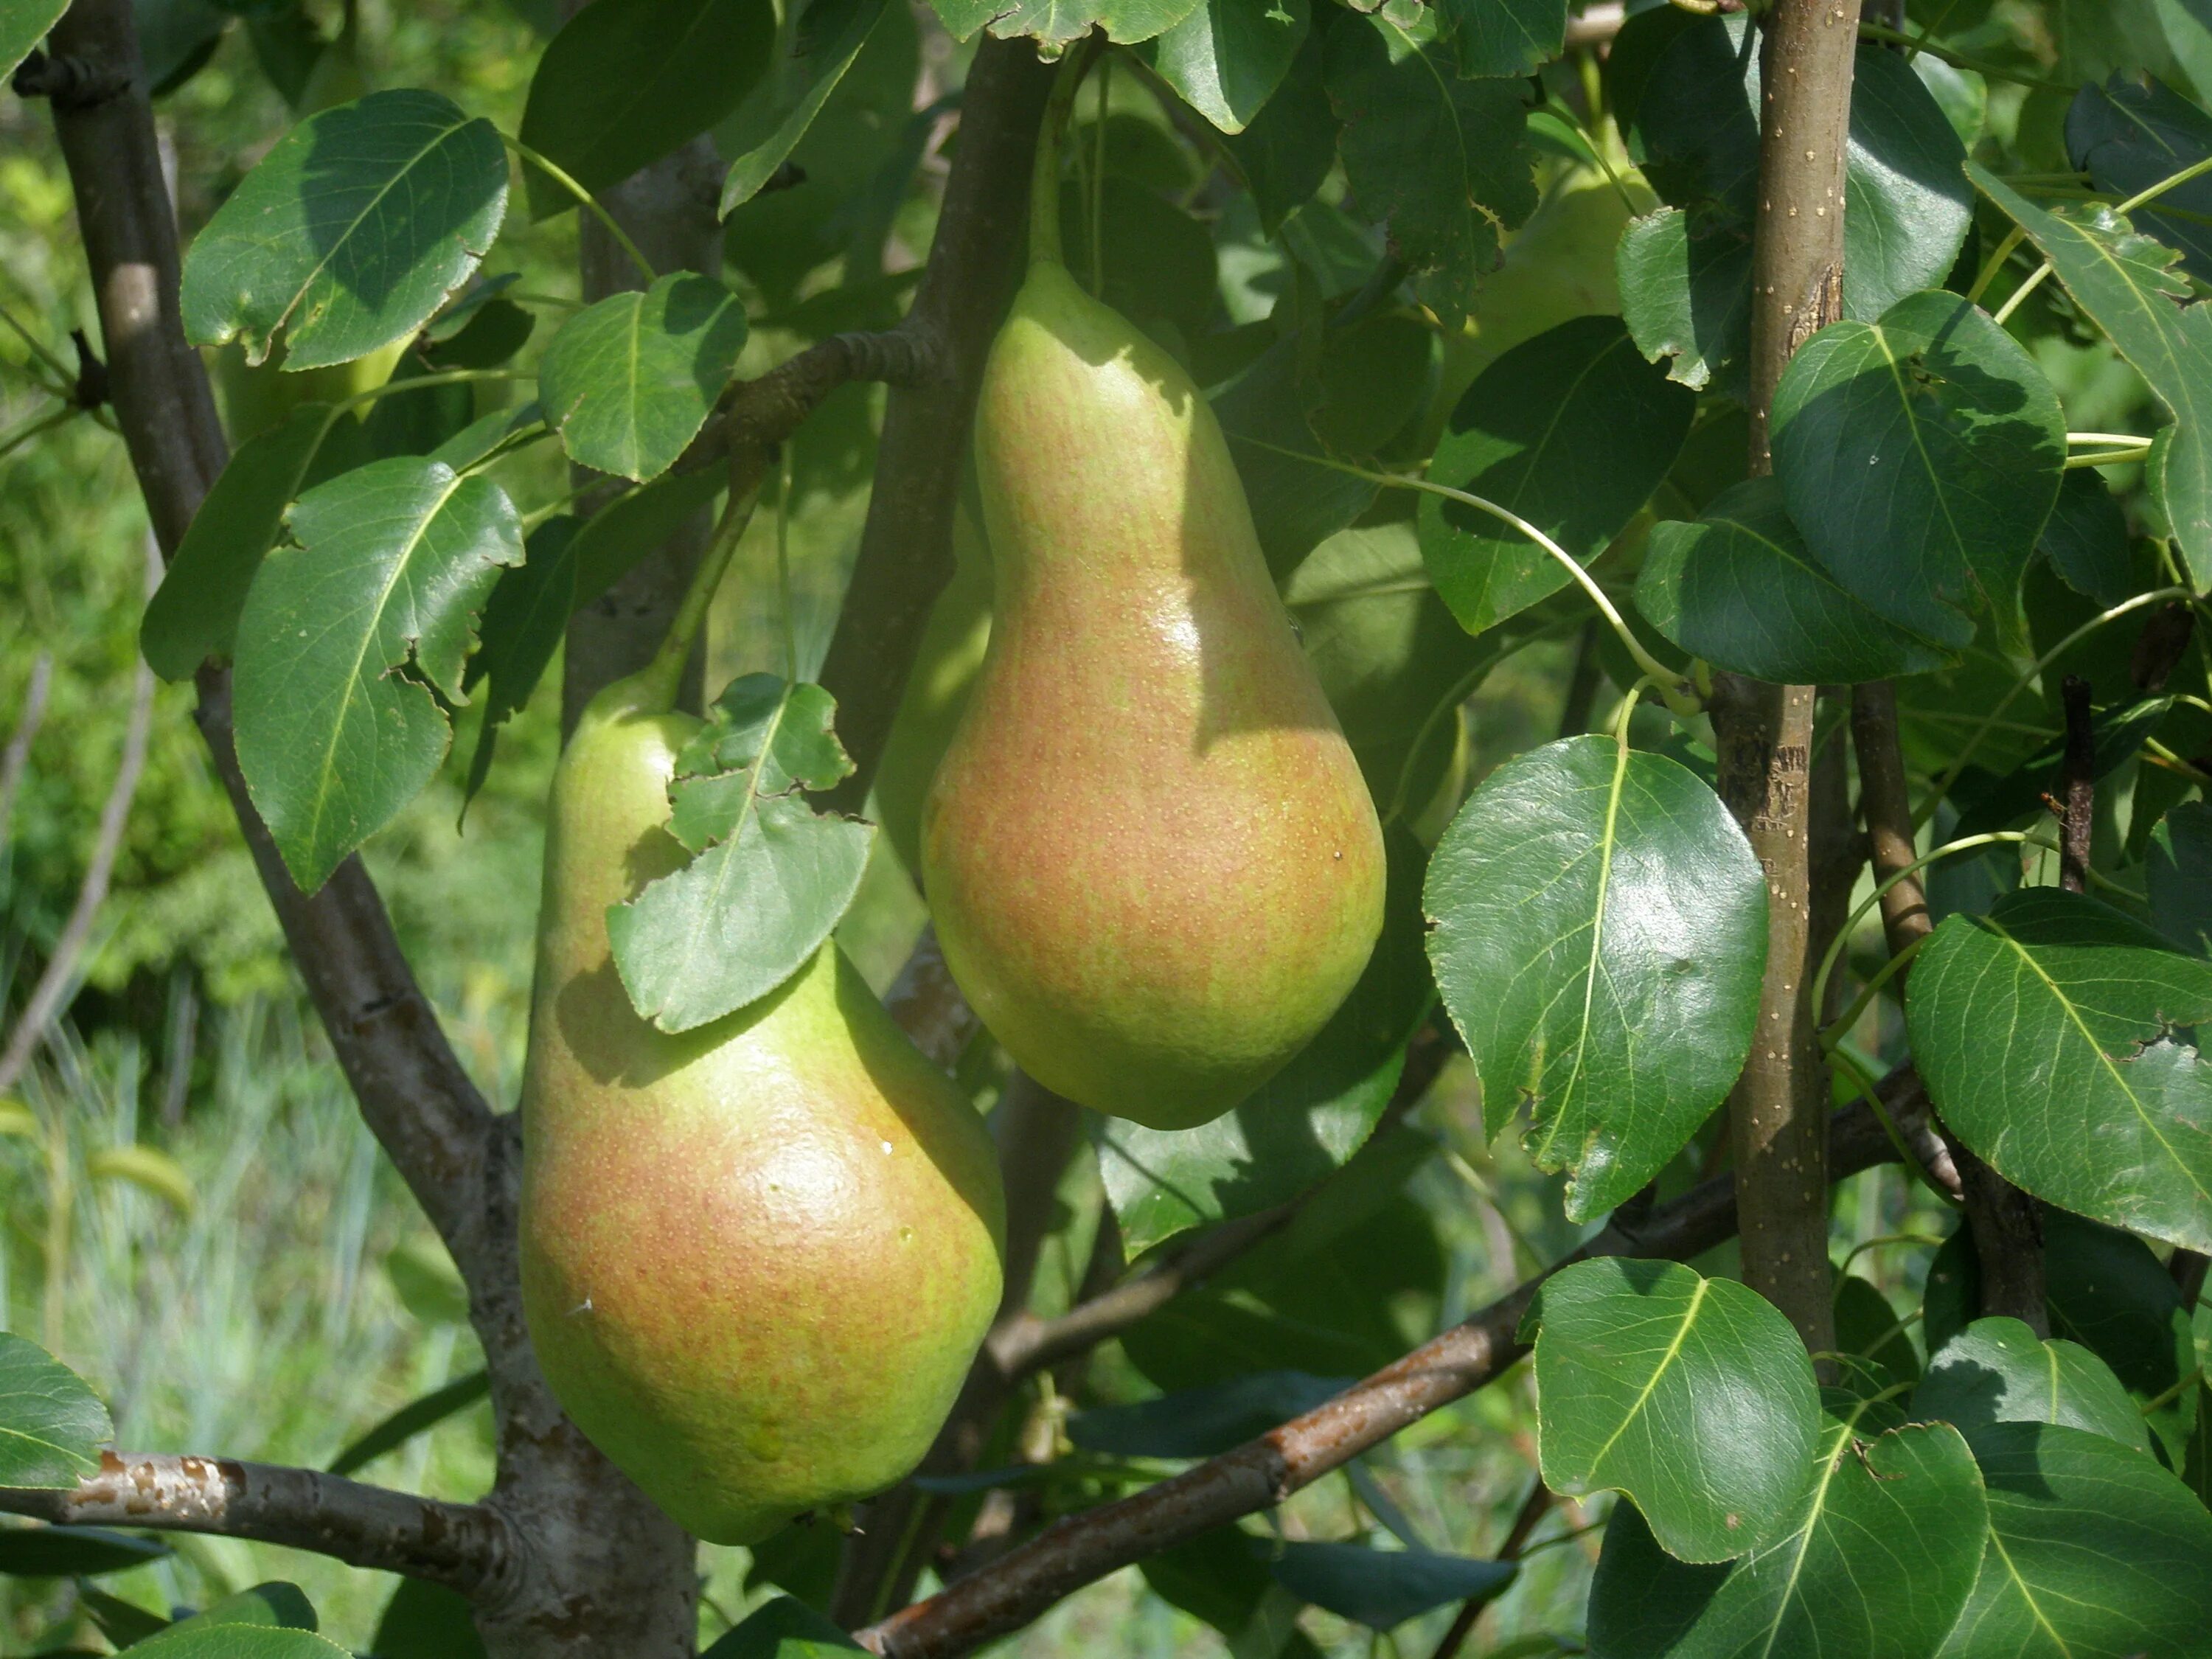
<point>463,1545</point>
<point>1019,1586</point>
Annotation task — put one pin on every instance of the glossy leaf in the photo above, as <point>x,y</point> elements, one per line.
<point>772,876</point>
<point>2127,284</point>
<point>351,232</point>
<point>781,1628</point>
<point>1693,1395</point>
<point>2132,133</point>
<point>1286,150</point>
<point>1997,1370</point>
<point>629,382</point>
<point>1571,430</point>
<point>1600,936</point>
<point>395,559</point>
<point>193,615</point>
<point>2092,1102</point>
<point>1876,1564</point>
<point>2087,538</point>
<point>73,1551</point>
<point>1919,455</point>
<point>23,24</point>
<point>1227,57</point>
<point>824,39</point>
<point>1382,1588</point>
<point>269,1621</point>
<point>1438,160</point>
<point>2095,1552</point>
<point>2179,870</point>
<point>626,82</point>
<point>1302,1124</point>
<point>525,621</point>
<point>1739,588</point>
<point>1203,1422</point>
<point>1055,23</point>
<point>1686,294</point>
<point>1507,38</point>
<point>51,1425</point>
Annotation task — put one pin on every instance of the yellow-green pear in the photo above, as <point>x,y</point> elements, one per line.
<point>1153,866</point>
<point>758,1256</point>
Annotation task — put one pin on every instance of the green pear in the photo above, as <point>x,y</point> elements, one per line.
<point>1153,866</point>
<point>758,1257</point>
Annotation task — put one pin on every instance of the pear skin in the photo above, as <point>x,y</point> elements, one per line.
<point>1154,867</point>
<point>758,1257</point>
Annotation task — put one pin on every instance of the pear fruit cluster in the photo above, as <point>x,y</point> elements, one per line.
<point>1154,866</point>
<point>758,1256</point>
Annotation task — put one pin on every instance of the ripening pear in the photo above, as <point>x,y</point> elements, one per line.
<point>758,1256</point>
<point>1153,866</point>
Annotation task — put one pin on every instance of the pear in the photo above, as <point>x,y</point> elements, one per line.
<point>758,1256</point>
<point>1153,866</point>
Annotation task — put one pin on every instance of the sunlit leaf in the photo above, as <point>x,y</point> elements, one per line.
<point>51,1425</point>
<point>629,382</point>
<point>1997,1370</point>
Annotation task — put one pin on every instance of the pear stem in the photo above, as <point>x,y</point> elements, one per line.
<point>664,676</point>
<point>1044,176</point>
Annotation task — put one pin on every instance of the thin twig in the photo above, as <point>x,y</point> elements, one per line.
<point>2077,784</point>
<point>1533,1509</point>
<point>28,721</point>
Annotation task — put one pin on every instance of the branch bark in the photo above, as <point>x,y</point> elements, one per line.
<point>905,558</point>
<point>2077,784</point>
<point>1262,1473</point>
<point>1764,733</point>
<point>465,1547</point>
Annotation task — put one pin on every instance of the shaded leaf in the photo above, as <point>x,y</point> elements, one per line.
<point>1571,430</point>
<point>824,39</point>
<point>626,82</point>
<point>629,382</point>
<point>423,1620</point>
<point>415,1417</point>
<point>1382,1588</point>
<point>23,24</point>
<point>614,538</point>
<point>1880,1557</point>
<point>1919,455</point>
<point>350,232</point>
<point>1686,294</point>
<point>394,560</point>
<point>1227,57</point>
<point>2092,1102</point>
<point>1986,801</point>
<point>1055,23</point>
<point>1693,1395</point>
<point>2087,538</point>
<point>2093,1550</point>
<point>525,621</point>
<point>1286,150</point>
<point>1739,588</point>
<point>2134,132</point>
<point>73,1551</point>
<point>1503,37</point>
<point>1203,1422</point>
<point>1997,1370</point>
<point>1599,939</point>
<point>781,1628</point>
<point>2179,869</point>
<point>51,1425</point>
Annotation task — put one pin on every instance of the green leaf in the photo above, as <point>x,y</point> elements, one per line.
<point>2087,538</point>
<point>1304,1122</point>
<point>1685,294</point>
<point>525,621</point>
<point>824,39</point>
<point>1227,57</point>
<point>1869,1329</point>
<point>269,1621</point>
<point>1296,503</point>
<point>193,615</point>
<point>73,1551</point>
<point>1440,160</point>
<point>1920,455</point>
<point>2130,134</point>
<point>415,1417</point>
<point>51,1425</point>
<point>1739,588</point>
<point>1876,1564</point>
<point>1159,261</point>
<point>2092,1101</point>
<point>634,524</point>
<point>498,434</point>
<point>23,24</point>
<point>626,82</point>
<point>772,876</point>
<point>1693,1395</point>
<point>1055,23</point>
<point>629,382</point>
<point>1599,937</point>
<point>2094,1551</point>
<point>1997,1370</point>
<point>1203,1422</point>
<point>395,559</point>
<point>1382,1588</point>
<point>1508,37</point>
<point>1219,1577</point>
<point>1572,430</point>
<point>419,420</point>
<point>782,1629</point>
<point>350,232</point>
<point>1988,801</point>
<point>493,333</point>
<point>2179,869</point>
<point>121,1622</point>
<point>1286,150</point>
<point>2126,283</point>
<point>423,1620</point>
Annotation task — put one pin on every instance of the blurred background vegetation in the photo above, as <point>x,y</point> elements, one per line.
<point>194,1215</point>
